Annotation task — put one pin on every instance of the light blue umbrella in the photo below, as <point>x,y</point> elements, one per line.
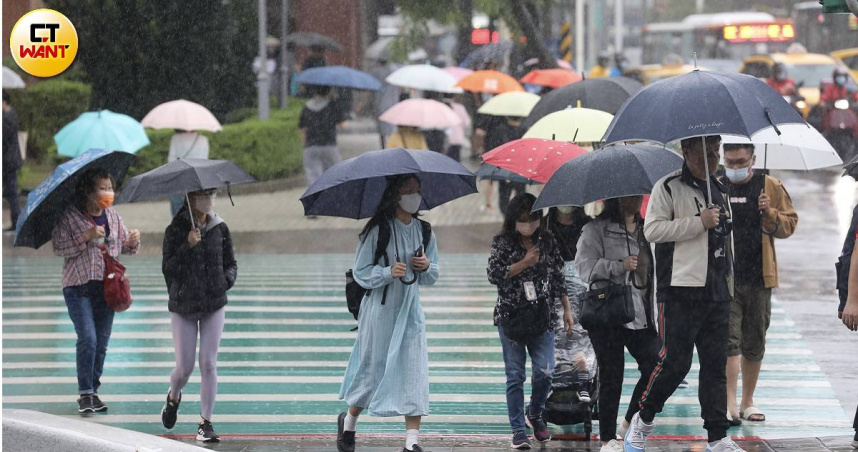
<point>101,130</point>
<point>338,77</point>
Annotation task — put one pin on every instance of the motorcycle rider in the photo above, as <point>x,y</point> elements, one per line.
<point>839,89</point>
<point>780,81</point>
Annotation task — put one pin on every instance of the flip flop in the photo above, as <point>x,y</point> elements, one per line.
<point>750,412</point>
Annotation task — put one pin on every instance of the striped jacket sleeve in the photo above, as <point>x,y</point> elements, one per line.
<point>67,237</point>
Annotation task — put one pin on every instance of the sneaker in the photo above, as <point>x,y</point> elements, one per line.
<point>414,448</point>
<point>725,445</point>
<point>540,429</point>
<point>206,433</point>
<point>683,384</point>
<point>635,438</point>
<point>621,430</point>
<point>170,411</point>
<point>84,404</point>
<point>584,396</point>
<point>345,440</point>
<point>612,446</point>
<point>97,404</point>
<point>520,441</point>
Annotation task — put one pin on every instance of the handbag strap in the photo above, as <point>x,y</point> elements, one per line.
<point>631,278</point>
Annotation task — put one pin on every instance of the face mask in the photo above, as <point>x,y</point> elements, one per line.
<point>410,203</point>
<point>840,80</point>
<point>566,210</point>
<point>105,199</point>
<point>738,175</point>
<point>204,203</point>
<point>527,229</point>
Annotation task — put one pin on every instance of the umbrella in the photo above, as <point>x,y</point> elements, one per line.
<point>424,77</point>
<point>798,147</point>
<point>313,40</point>
<point>183,115</point>
<point>487,53</point>
<point>382,49</point>
<point>605,94</point>
<point>353,187</point>
<point>458,72</point>
<point>513,103</point>
<point>101,130</point>
<point>421,113</point>
<point>611,172</point>
<point>183,176</point>
<point>562,64</point>
<point>11,79</point>
<point>338,76</point>
<point>576,125</point>
<point>493,82</point>
<point>491,172</point>
<point>533,158</point>
<point>48,201</point>
<point>552,78</point>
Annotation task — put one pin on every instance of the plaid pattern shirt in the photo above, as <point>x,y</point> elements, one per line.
<point>83,261</point>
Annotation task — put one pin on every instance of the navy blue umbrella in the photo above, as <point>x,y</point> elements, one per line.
<point>47,202</point>
<point>353,187</point>
<point>338,77</point>
<point>491,172</point>
<point>611,172</point>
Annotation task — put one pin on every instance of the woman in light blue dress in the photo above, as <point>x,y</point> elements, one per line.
<point>387,373</point>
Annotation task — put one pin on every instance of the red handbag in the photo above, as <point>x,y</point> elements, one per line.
<point>117,288</point>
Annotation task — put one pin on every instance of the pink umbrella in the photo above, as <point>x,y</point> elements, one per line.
<point>458,72</point>
<point>183,115</point>
<point>421,113</point>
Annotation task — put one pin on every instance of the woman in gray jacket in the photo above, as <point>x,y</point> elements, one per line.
<point>610,247</point>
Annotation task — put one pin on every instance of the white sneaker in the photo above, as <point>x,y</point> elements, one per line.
<point>725,445</point>
<point>612,446</point>
<point>622,429</point>
<point>635,438</point>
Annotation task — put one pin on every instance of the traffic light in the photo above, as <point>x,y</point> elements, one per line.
<point>836,7</point>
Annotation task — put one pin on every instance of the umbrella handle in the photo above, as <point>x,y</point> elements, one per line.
<point>190,211</point>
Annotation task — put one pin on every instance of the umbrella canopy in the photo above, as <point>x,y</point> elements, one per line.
<point>533,158</point>
<point>314,40</point>
<point>552,78</point>
<point>339,77</point>
<point>458,72</point>
<point>611,172</point>
<point>513,103</point>
<point>797,147</point>
<point>493,82</point>
<point>421,113</point>
<point>424,77</point>
<point>183,176</point>
<point>487,53</point>
<point>353,188</point>
<point>11,79</point>
<point>49,200</point>
<point>576,125</point>
<point>382,50</point>
<point>700,103</point>
<point>101,130</point>
<point>605,94</point>
<point>183,115</point>
<point>562,64</point>
<point>491,172</point>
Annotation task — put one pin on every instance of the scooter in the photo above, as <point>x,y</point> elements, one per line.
<point>840,128</point>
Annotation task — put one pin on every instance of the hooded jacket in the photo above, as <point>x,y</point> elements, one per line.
<point>198,278</point>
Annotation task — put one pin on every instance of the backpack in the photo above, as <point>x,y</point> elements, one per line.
<point>354,292</point>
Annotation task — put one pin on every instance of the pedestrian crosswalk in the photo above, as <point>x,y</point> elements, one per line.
<point>287,340</point>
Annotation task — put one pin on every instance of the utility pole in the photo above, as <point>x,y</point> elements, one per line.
<point>579,35</point>
<point>618,26</point>
<point>284,54</point>
<point>262,78</point>
<point>700,6</point>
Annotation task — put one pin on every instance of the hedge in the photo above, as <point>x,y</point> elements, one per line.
<point>44,108</point>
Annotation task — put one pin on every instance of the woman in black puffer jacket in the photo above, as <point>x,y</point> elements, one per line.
<point>199,267</point>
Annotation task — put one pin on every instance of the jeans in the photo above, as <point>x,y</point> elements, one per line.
<point>93,322</point>
<point>541,349</point>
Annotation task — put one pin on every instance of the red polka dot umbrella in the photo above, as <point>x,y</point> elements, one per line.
<point>534,158</point>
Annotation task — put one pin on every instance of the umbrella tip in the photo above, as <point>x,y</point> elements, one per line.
<point>579,103</point>
<point>694,55</point>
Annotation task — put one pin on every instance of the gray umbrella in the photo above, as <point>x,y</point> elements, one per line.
<point>314,40</point>
<point>183,176</point>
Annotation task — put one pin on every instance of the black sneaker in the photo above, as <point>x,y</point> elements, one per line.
<point>97,404</point>
<point>170,411</point>
<point>84,404</point>
<point>206,433</point>
<point>414,448</point>
<point>345,440</point>
<point>520,441</point>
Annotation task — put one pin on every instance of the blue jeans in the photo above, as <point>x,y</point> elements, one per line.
<point>93,322</point>
<point>541,349</point>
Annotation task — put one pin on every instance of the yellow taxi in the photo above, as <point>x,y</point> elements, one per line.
<point>650,73</point>
<point>809,68</point>
<point>848,58</point>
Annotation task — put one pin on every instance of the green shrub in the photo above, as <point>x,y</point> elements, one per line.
<point>44,108</point>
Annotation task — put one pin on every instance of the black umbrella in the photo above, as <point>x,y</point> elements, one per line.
<point>611,172</point>
<point>606,94</point>
<point>314,40</point>
<point>183,176</point>
<point>486,53</point>
<point>491,172</point>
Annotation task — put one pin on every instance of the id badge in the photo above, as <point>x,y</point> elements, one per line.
<point>529,291</point>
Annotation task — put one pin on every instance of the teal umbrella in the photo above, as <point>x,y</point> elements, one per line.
<point>101,130</point>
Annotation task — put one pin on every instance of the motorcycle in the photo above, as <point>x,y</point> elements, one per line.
<point>839,125</point>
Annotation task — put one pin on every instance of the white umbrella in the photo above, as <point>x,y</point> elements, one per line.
<point>424,77</point>
<point>183,115</point>
<point>797,147</point>
<point>11,80</point>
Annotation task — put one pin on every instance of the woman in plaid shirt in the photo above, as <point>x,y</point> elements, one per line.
<point>87,226</point>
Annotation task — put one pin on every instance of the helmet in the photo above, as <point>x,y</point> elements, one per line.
<point>779,71</point>
<point>603,60</point>
<point>840,76</point>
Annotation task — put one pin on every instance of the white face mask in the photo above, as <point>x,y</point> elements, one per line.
<point>565,210</point>
<point>527,229</point>
<point>739,174</point>
<point>204,203</point>
<point>410,203</point>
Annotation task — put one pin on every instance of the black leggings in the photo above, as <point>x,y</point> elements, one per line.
<point>610,354</point>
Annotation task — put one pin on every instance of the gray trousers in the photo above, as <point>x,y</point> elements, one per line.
<point>210,328</point>
<point>317,159</point>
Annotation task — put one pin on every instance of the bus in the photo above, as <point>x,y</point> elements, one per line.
<point>722,36</point>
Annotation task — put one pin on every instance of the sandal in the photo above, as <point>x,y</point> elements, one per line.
<point>750,413</point>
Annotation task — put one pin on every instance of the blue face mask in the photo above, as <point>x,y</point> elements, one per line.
<point>840,80</point>
<point>738,175</point>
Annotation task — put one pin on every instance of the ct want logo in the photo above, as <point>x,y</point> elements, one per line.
<point>44,43</point>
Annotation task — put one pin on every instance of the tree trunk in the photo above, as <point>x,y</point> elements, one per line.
<point>464,47</point>
<point>535,43</point>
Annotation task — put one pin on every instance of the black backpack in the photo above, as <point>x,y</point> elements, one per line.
<point>354,292</point>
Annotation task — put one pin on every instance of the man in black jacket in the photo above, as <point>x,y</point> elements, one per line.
<point>12,161</point>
